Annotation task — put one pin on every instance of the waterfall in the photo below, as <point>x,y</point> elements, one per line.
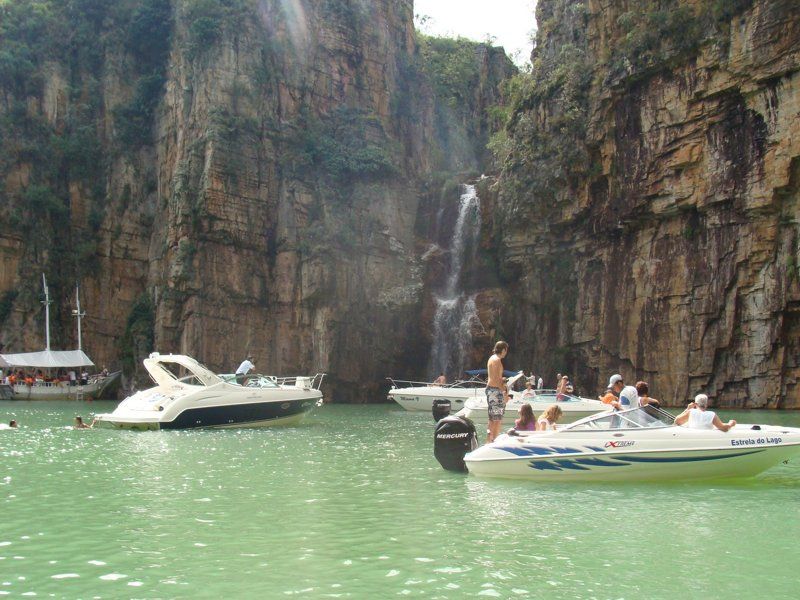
<point>455,310</point>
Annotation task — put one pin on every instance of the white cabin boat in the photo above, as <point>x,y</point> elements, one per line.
<point>201,398</point>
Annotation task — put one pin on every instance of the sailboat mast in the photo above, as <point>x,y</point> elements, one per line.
<point>77,313</point>
<point>46,303</point>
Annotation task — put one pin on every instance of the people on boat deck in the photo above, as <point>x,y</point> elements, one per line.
<point>644,398</point>
<point>440,380</point>
<point>84,377</point>
<point>615,385</point>
<point>496,390</point>
<point>540,383</point>
<point>244,368</point>
<point>697,416</point>
<point>73,378</point>
<point>550,417</point>
<point>526,421</point>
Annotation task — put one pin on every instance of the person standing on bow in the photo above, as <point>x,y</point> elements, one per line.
<point>496,390</point>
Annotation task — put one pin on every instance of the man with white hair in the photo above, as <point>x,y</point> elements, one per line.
<point>698,417</point>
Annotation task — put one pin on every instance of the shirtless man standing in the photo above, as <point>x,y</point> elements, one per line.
<point>496,391</point>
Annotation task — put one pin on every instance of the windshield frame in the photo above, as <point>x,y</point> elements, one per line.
<point>626,417</point>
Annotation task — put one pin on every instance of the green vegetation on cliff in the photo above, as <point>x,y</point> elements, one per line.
<point>53,147</point>
<point>137,341</point>
<point>461,74</point>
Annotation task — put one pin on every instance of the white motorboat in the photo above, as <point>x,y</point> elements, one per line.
<point>572,407</point>
<point>201,398</point>
<point>639,444</point>
<point>418,396</point>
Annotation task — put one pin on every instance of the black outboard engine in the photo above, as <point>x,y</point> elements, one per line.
<point>453,438</point>
<point>441,408</point>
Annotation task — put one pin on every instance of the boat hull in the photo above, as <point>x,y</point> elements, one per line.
<point>651,466</point>
<point>93,390</point>
<point>255,414</point>
<point>421,399</point>
<point>663,453</point>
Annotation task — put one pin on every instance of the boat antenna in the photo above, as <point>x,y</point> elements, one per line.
<point>46,303</point>
<point>76,312</point>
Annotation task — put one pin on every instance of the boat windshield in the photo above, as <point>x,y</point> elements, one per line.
<point>553,396</point>
<point>635,418</point>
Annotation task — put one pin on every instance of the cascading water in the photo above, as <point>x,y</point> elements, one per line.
<point>455,310</point>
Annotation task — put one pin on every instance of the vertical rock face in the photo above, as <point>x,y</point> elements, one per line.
<point>224,177</point>
<point>649,206</point>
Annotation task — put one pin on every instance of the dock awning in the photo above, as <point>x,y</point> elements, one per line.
<point>46,359</point>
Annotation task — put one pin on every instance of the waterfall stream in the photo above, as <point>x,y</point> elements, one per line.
<point>455,310</point>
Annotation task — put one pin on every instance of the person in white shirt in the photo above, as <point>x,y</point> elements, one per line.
<point>540,383</point>
<point>628,398</point>
<point>244,368</point>
<point>528,394</point>
<point>697,417</point>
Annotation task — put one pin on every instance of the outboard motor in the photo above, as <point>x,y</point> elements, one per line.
<point>441,408</point>
<point>453,438</point>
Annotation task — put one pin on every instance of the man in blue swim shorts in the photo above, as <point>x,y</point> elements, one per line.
<point>496,392</point>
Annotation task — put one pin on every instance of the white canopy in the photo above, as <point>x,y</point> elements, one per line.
<point>47,359</point>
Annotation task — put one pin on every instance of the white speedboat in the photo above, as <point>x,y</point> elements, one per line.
<point>572,407</point>
<point>640,444</point>
<point>420,397</point>
<point>201,398</point>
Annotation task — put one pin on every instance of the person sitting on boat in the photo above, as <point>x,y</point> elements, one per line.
<point>550,417</point>
<point>440,380</point>
<point>615,385</point>
<point>561,390</point>
<point>697,417</point>
<point>628,398</point>
<point>644,398</point>
<point>244,368</point>
<point>528,394</point>
<point>526,421</point>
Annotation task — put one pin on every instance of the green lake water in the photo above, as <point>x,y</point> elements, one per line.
<point>352,504</point>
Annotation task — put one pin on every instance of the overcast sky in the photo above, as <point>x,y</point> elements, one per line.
<point>510,22</point>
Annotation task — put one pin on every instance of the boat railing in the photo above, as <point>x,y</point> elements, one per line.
<point>301,381</point>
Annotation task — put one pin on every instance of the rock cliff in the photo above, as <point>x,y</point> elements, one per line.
<point>225,177</point>
<point>646,219</point>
